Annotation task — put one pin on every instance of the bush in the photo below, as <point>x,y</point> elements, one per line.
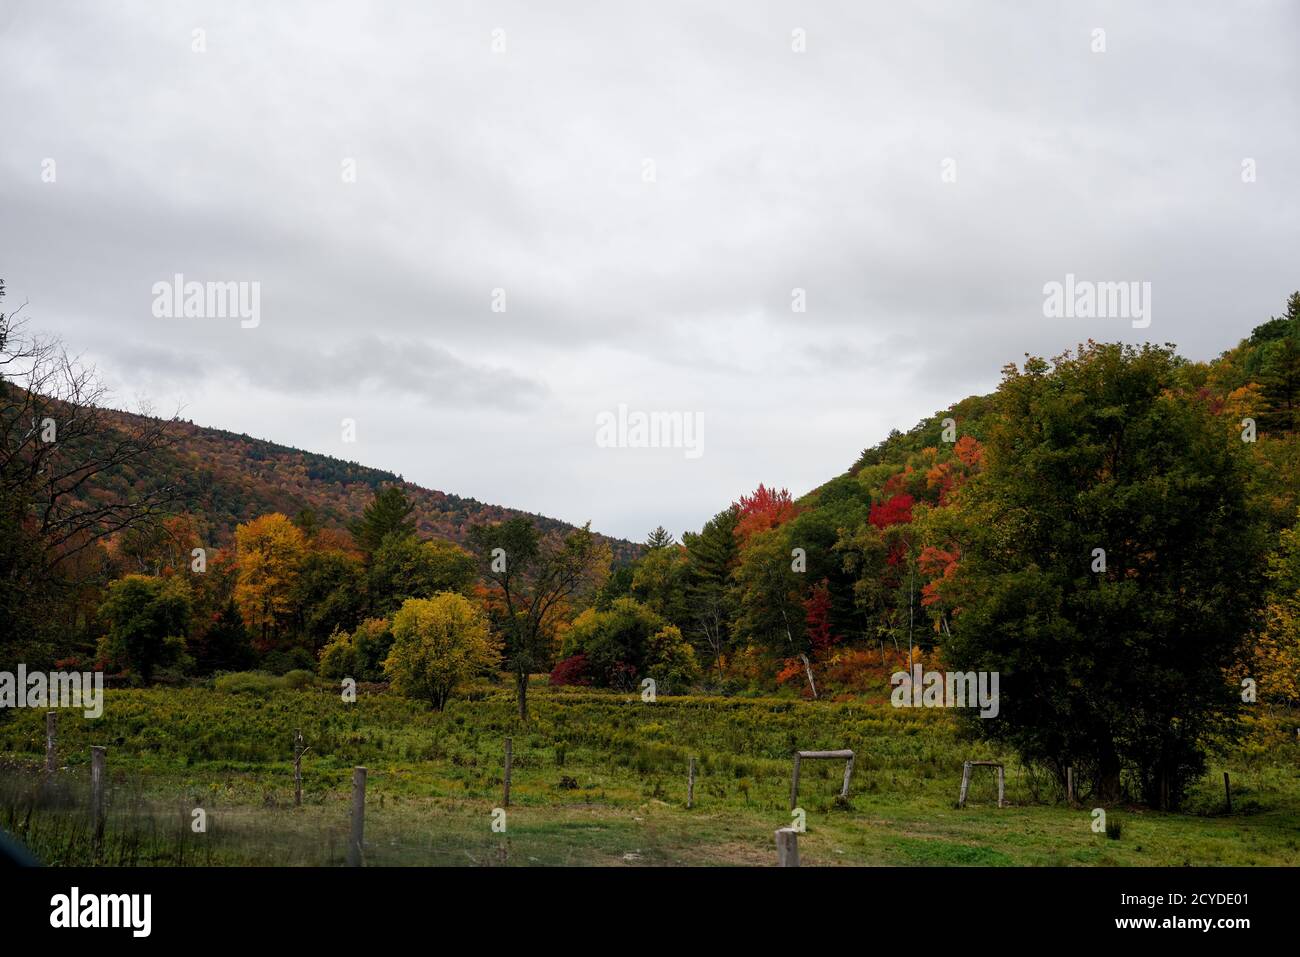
<point>624,643</point>
<point>298,679</point>
<point>247,682</point>
<point>571,671</point>
<point>359,655</point>
<point>285,660</point>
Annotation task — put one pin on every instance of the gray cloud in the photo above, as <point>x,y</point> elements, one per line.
<point>523,170</point>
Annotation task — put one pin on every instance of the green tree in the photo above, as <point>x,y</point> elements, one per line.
<point>768,597</point>
<point>711,555</point>
<point>438,644</point>
<point>329,595</point>
<point>659,580</point>
<point>1115,667</point>
<point>224,645</point>
<point>404,567</point>
<point>148,620</point>
<point>628,642</point>
<point>659,538</point>
<point>389,513</point>
<point>535,578</point>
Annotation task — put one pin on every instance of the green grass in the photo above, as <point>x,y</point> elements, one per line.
<point>434,779</point>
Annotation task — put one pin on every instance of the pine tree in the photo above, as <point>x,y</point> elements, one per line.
<point>388,514</point>
<point>660,538</point>
<point>710,556</point>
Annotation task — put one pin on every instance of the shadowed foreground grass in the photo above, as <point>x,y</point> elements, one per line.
<point>598,779</point>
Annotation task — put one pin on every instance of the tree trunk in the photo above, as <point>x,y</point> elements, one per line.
<point>1108,775</point>
<point>808,671</point>
<point>521,693</point>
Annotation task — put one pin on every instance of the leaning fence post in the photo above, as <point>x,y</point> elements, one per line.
<point>848,773</point>
<point>51,726</point>
<point>965,783</point>
<point>1227,790</point>
<point>97,759</point>
<point>787,847</point>
<point>356,844</point>
<point>690,785</point>
<point>509,756</point>
<point>794,784</point>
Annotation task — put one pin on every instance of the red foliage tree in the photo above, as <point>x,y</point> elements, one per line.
<point>571,671</point>
<point>895,511</point>
<point>817,617</point>
<point>766,508</point>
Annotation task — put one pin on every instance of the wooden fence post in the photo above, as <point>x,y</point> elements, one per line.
<point>787,847</point>
<point>97,761</point>
<point>690,785</point>
<point>1002,786</point>
<point>51,726</point>
<point>509,757</point>
<point>965,783</point>
<point>794,786</point>
<point>1069,786</point>
<point>1227,790</point>
<point>848,773</point>
<point>297,768</point>
<point>356,843</point>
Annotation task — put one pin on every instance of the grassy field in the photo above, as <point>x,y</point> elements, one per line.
<point>599,778</point>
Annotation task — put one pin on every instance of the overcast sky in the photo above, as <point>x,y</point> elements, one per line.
<point>647,182</point>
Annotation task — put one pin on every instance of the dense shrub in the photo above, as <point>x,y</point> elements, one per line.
<point>571,671</point>
<point>248,682</point>
<point>359,655</point>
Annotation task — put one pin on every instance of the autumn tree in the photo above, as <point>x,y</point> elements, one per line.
<point>270,552</point>
<point>358,654</point>
<point>535,577</point>
<point>763,509</point>
<point>1275,663</point>
<point>438,644</point>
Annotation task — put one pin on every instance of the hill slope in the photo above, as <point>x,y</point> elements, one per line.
<point>224,478</point>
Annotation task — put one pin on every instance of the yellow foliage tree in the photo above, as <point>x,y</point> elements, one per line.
<point>1277,653</point>
<point>269,551</point>
<point>438,643</point>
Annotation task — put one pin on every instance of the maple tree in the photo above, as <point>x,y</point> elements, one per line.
<point>761,510</point>
<point>270,551</point>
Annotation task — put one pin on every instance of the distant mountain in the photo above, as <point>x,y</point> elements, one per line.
<point>226,478</point>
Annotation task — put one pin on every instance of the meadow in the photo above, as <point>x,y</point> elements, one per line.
<point>599,778</point>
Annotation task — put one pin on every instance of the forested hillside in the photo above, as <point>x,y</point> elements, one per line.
<point>1114,534</point>
<point>223,478</point>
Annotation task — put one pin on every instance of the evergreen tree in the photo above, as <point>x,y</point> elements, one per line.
<point>388,514</point>
<point>660,538</point>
